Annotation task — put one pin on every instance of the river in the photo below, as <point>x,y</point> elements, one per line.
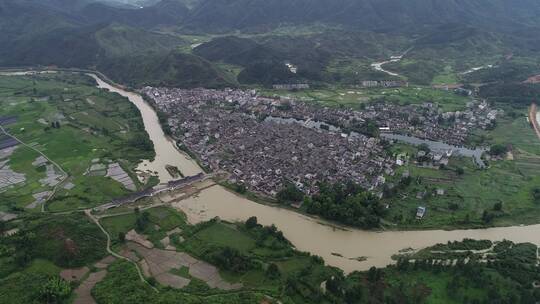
<point>166,151</point>
<point>306,233</point>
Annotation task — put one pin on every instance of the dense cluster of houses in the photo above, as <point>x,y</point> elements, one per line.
<point>291,87</point>
<point>264,142</point>
<point>383,84</point>
<point>227,130</point>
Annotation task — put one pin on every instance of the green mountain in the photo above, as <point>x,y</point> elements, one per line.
<point>88,35</point>
<point>175,69</point>
<point>166,12</point>
<point>339,40</point>
<point>364,14</point>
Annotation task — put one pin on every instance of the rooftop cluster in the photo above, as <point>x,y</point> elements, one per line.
<point>265,142</point>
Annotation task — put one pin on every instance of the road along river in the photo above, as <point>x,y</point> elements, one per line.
<point>307,234</point>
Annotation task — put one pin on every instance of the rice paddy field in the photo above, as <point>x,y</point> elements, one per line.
<point>80,128</point>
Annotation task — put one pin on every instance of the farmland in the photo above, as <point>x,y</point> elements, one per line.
<point>465,198</point>
<point>356,98</point>
<point>77,126</point>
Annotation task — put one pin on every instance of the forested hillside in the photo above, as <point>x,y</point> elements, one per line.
<point>330,41</point>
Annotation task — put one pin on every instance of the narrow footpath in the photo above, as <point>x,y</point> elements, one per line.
<point>88,213</point>
<point>64,173</point>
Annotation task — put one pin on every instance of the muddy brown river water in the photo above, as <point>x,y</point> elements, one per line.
<point>307,234</point>
<point>339,247</point>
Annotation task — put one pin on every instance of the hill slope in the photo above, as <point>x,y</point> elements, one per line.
<point>364,14</point>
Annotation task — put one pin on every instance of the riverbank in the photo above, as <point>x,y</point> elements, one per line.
<point>414,227</point>
<point>339,247</point>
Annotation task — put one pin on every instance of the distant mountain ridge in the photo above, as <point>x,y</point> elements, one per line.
<point>377,15</point>
<point>364,14</point>
<point>134,39</point>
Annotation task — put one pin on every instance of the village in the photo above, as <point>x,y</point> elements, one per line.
<point>266,142</point>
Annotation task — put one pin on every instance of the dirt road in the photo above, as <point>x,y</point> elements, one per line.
<point>532,119</point>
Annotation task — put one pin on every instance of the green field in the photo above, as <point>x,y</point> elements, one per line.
<point>32,259</point>
<point>93,125</point>
<point>448,76</point>
<point>161,220</point>
<point>510,182</point>
<point>357,98</point>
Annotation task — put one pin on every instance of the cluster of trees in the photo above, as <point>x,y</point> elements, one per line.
<point>290,194</point>
<point>346,203</point>
<point>368,128</point>
<point>536,194</point>
<point>402,185</point>
<point>234,260</point>
<point>264,233</point>
<point>511,70</point>
<point>489,215</point>
<point>498,150</point>
<point>141,220</point>
<point>34,287</point>
<point>68,241</point>
<point>507,277</point>
<point>230,259</point>
<point>55,290</point>
<point>512,93</point>
<point>142,143</point>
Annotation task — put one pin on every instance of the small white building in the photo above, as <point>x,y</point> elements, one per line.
<point>420,212</point>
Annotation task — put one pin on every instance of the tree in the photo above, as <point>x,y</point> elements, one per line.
<point>142,221</point>
<point>368,128</point>
<point>121,237</point>
<point>240,188</point>
<point>498,150</point>
<point>536,195</point>
<point>487,217</point>
<point>141,143</point>
<point>335,283</point>
<point>55,290</point>
<point>460,171</point>
<point>347,203</point>
<point>497,206</point>
<point>251,222</point>
<point>374,274</point>
<point>230,259</point>
<point>290,193</point>
<point>273,271</point>
<point>152,281</point>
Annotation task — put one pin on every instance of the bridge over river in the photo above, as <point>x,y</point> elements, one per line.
<point>339,246</point>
